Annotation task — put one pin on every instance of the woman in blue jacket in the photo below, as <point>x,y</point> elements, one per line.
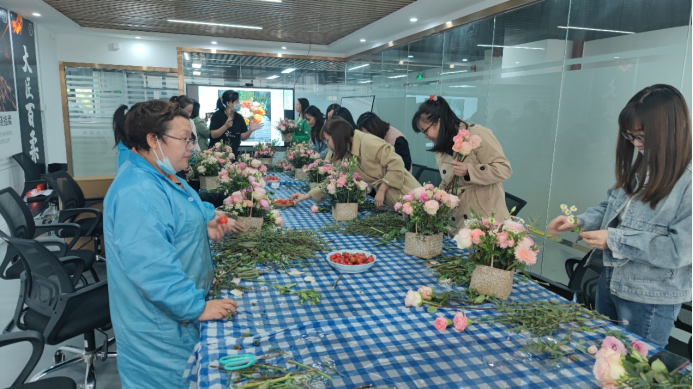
<point>157,233</point>
<point>643,229</point>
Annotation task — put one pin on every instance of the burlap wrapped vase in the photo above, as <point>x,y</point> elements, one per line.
<point>423,246</point>
<point>301,175</point>
<point>345,211</point>
<point>209,182</point>
<point>490,281</point>
<point>252,225</point>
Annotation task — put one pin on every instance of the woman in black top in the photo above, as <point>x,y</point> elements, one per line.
<point>227,124</point>
<point>370,123</point>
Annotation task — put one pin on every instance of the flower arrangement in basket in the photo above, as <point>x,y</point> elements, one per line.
<point>265,150</point>
<point>241,175</point>
<point>345,189</point>
<point>252,208</point>
<point>209,163</point>
<point>286,126</point>
<point>318,171</point>
<point>300,155</point>
<point>497,248</point>
<point>464,144</point>
<point>426,211</point>
<point>252,111</point>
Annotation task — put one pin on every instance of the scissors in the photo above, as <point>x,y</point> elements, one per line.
<point>237,362</point>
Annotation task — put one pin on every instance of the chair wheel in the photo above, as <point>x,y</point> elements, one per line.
<point>58,357</point>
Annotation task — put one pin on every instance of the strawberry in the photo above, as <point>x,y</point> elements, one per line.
<point>223,220</point>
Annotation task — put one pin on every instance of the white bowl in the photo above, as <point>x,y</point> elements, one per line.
<point>351,268</point>
<point>274,184</point>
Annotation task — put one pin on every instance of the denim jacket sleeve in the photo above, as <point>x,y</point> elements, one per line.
<point>592,218</point>
<point>669,251</point>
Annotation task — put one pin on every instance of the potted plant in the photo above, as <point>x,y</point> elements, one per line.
<point>426,211</point>
<point>287,127</point>
<point>346,191</point>
<point>210,162</point>
<point>300,155</point>
<point>252,209</point>
<point>265,151</point>
<point>497,248</point>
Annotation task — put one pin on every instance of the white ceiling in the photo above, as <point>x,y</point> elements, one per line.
<point>430,13</point>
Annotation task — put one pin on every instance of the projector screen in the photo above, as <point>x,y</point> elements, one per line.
<point>264,104</point>
<point>358,105</point>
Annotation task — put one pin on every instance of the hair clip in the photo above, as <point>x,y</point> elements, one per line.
<point>433,98</point>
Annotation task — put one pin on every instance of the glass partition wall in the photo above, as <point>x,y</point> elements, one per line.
<point>549,79</point>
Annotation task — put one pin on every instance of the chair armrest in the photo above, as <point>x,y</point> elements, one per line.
<point>89,201</point>
<point>37,343</point>
<point>62,230</point>
<point>570,266</point>
<point>75,269</point>
<point>55,245</point>
<point>555,287</point>
<point>71,215</point>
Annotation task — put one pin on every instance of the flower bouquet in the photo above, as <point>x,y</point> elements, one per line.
<point>209,163</point>
<point>346,191</point>
<point>252,111</point>
<point>241,175</point>
<point>300,155</point>
<point>265,151</point>
<point>252,208</point>
<point>317,171</point>
<point>497,248</point>
<point>464,144</point>
<point>287,127</point>
<point>426,211</point>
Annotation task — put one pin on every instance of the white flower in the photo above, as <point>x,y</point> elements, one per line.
<point>295,272</point>
<point>571,219</point>
<point>564,207</point>
<point>573,209</point>
<point>463,239</point>
<point>237,293</point>
<point>201,169</point>
<point>309,279</point>
<point>363,185</point>
<point>255,163</point>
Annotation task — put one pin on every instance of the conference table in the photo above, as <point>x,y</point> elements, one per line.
<point>362,334</point>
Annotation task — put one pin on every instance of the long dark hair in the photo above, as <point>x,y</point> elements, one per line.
<point>660,111</point>
<point>341,133</point>
<point>331,107</point>
<point>119,125</point>
<point>319,121</point>
<point>373,124</point>
<point>344,114</point>
<point>196,110</point>
<point>437,108</point>
<point>143,118</point>
<point>227,97</point>
<point>304,106</point>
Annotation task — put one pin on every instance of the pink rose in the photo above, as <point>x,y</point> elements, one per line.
<point>341,181</point>
<point>331,188</point>
<point>475,141</point>
<point>614,344</point>
<point>407,198</point>
<point>526,242</point>
<point>429,186</point>
<point>413,299</point>
<point>264,204</point>
<point>458,138</point>
<point>426,292</point>
<point>460,321</point>
<point>485,222</point>
<point>263,169</point>
<point>279,221</point>
<point>457,146</point>
<point>314,208</point>
<point>525,255</point>
<point>464,133</point>
<point>242,165</point>
<point>407,209</point>
<point>476,235</point>
<point>228,201</point>
<point>255,163</point>
<point>397,206</point>
<point>423,197</point>
<point>356,176</point>
<point>466,148</point>
<point>640,347</point>
<point>453,201</point>
<point>441,323</point>
<point>608,367</point>
<point>463,239</point>
<point>431,207</point>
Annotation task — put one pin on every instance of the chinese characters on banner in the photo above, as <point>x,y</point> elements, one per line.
<point>28,100</point>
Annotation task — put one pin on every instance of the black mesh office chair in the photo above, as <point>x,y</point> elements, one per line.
<point>584,279</point>
<point>60,310</point>
<point>75,208</point>
<point>425,174</point>
<point>36,340</point>
<point>32,176</point>
<point>515,202</point>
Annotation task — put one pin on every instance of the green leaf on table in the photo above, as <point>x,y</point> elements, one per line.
<point>432,309</point>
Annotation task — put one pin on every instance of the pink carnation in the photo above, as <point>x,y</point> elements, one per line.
<point>423,197</point>
<point>314,208</point>
<point>397,206</point>
<point>525,255</point>
<point>502,240</point>
<point>476,235</point>
<point>407,209</point>
<point>614,344</point>
<point>407,198</point>
<point>341,181</point>
<point>431,207</point>
<point>526,242</point>
<point>640,347</point>
<point>460,321</point>
<point>513,226</point>
<point>441,323</point>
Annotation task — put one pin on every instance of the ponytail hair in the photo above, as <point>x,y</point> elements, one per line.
<point>119,125</point>
<point>227,97</point>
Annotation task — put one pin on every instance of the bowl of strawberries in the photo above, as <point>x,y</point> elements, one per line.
<point>351,261</point>
<point>273,181</point>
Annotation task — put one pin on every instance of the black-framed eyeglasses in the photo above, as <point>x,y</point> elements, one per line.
<point>189,142</point>
<point>631,137</point>
<point>425,132</point>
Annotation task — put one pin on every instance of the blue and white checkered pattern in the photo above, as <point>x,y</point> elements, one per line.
<point>363,326</point>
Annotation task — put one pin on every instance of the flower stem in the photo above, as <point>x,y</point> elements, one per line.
<point>310,368</point>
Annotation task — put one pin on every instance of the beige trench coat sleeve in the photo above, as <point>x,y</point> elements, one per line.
<point>494,166</point>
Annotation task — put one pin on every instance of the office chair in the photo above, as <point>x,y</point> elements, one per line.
<point>60,310</point>
<point>512,201</point>
<point>584,279</point>
<point>75,207</point>
<point>32,177</point>
<point>36,340</point>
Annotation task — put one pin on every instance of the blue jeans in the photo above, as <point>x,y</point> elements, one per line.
<point>651,321</point>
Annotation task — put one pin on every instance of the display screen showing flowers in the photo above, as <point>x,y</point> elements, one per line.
<point>286,126</point>
<point>241,175</point>
<point>503,244</point>
<point>255,106</point>
<point>252,202</point>
<point>210,162</point>
<point>344,185</point>
<point>427,210</point>
<point>300,155</point>
<point>318,170</point>
<point>265,150</point>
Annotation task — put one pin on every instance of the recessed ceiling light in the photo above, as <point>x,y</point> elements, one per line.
<point>516,62</point>
<point>138,37</point>
<point>187,56</point>
<point>401,62</point>
<point>363,40</point>
<point>197,65</point>
<point>410,56</point>
<point>279,55</point>
<point>449,23</point>
<point>364,81</point>
<point>413,19</point>
<point>214,24</point>
<point>390,43</point>
<point>214,51</point>
<point>214,42</point>
<point>462,86</point>
<point>595,29</point>
<point>514,47</point>
<point>358,67</point>
<point>452,66</point>
<point>272,77</point>
<point>283,47</point>
<point>398,76</point>
<point>36,14</point>
<point>196,73</point>
<point>464,60</point>
<point>289,70</point>
<point>616,57</point>
<point>455,72</point>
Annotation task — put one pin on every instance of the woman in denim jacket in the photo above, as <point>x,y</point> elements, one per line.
<point>643,230</point>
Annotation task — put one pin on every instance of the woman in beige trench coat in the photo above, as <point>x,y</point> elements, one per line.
<point>480,177</point>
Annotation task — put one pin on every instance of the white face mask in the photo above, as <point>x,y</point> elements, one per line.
<point>164,163</point>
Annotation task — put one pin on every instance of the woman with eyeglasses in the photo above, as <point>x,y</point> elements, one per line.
<point>370,123</point>
<point>377,163</point>
<point>480,176</point>
<point>157,233</point>
<point>642,231</point>
<point>316,120</point>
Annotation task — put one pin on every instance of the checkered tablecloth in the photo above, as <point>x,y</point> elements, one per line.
<point>364,329</point>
